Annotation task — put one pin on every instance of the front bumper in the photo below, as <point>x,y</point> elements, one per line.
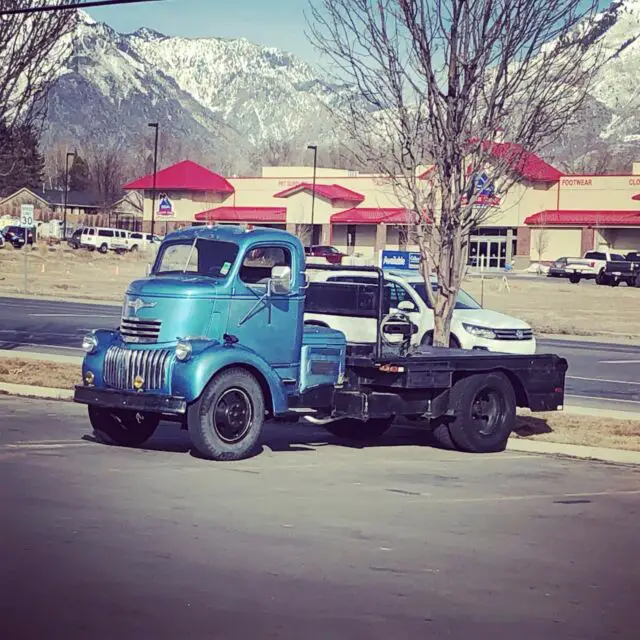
<point>131,400</point>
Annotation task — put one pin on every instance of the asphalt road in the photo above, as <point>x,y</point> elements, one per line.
<point>308,539</point>
<point>598,371</point>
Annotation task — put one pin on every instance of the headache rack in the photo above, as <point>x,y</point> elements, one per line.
<point>353,299</point>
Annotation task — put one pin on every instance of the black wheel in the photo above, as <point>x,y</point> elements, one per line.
<point>134,248</point>
<point>124,428</point>
<point>359,430</point>
<point>601,278</point>
<point>427,340</point>
<point>103,248</point>
<point>442,436</point>
<point>485,413</point>
<point>226,422</point>
<point>574,278</point>
<point>638,280</point>
<point>614,283</point>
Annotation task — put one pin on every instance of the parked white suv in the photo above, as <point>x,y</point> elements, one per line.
<point>472,327</point>
<point>139,241</point>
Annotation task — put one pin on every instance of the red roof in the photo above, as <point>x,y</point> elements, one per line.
<point>184,176</point>
<point>525,163</point>
<point>636,197</point>
<point>244,214</point>
<point>585,218</point>
<point>364,215</point>
<point>331,192</point>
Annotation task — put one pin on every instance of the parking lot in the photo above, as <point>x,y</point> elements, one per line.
<point>309,539</point>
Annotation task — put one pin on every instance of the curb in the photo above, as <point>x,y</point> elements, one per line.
<point>43,357</point>
<point>619,456</point>
<point>29,391</point>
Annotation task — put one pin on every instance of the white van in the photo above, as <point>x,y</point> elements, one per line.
<point>139,241</point>
<point>101,238</point>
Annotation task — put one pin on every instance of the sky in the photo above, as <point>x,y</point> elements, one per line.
<point>275,23</point>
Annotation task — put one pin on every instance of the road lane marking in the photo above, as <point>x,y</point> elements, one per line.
<point>619,362</point>
<point>603,380</point>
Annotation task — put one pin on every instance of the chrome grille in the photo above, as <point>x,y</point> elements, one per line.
<point>122,366</point>
<point>139,330</point>
<point>513,334</point>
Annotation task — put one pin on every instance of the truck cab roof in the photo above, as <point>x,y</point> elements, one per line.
<point>234,233</point>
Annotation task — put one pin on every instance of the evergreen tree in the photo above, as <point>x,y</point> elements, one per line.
<point>21,163</point>
<point>79,175</point>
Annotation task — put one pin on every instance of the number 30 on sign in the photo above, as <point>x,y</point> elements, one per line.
<point>26,215</point>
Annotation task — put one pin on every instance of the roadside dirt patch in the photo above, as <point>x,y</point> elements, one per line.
<point>567,428</point>
<point>39,373</point>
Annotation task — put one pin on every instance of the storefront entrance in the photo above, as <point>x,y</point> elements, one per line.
<point>491,248</point>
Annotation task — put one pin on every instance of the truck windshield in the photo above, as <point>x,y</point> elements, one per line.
<point>464,300</point>
<point>203,257</point>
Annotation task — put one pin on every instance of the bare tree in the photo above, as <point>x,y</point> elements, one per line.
<point>33,49</point>
<point>108,171</point>
<point>541,241</point>
<point>436,80</point>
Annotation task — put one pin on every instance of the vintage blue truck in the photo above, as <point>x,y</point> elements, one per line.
<point>214,338</point>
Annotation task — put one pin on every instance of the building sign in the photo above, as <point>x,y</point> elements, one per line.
<point>400,260</point>
<point>634,182</point>
<point>165,207</point>
<point>576,182</point>
<point>485,190</point>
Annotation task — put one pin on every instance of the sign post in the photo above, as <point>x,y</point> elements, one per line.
<point>26,222</point>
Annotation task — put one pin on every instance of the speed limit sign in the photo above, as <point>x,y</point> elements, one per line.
<point>26,216</point>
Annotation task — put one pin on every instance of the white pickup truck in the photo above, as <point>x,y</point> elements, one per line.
<point>591,266</point>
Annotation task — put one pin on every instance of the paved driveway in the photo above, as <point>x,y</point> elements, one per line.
<point>308,540</point>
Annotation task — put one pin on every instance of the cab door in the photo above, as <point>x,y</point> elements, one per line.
<point>266,322</point>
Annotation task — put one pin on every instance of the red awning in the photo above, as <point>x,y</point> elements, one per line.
<point>584,218</point>
<point>244,214</point>
<point>331,192</point>
<point>365,215</point>
<point>184,176</point>
<point>636,197</point>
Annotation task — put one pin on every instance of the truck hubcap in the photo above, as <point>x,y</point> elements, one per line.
<point>232,415</point>
<point>486,411</point>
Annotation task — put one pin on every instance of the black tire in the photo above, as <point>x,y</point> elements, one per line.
<point>638,280</point>
<point>225,423</point>
<point>122,428</point>
<point>134,248</point>
<point>427,340</point>
<point>103,248</point>
<point>442,436</point>
<point>574,278</point>
<point>485,413</point>
<point>601,278</point>
<point>359,430</point>
<point>614,283</point>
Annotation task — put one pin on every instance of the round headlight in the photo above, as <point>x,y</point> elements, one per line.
<point>183,351</point>
<point>89,343</point>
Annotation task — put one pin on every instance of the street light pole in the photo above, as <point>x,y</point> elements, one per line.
<point>155,171</point>
<point>314,148</point>
<point>70,154</point>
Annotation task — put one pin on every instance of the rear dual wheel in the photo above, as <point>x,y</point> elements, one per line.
<point>485,415</point>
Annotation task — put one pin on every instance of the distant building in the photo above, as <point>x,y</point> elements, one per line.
<point>544,216</point>
<point>83,208</point>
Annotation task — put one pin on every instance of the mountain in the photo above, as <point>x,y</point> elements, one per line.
<point>234,104</point>
<point>215,98</point>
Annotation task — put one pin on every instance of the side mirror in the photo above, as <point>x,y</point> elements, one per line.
<point>280,280</point>
<point>407,306</point>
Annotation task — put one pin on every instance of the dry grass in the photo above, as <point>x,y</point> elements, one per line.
<point>39,373</point>
<point>562,308</point>
<point>566,428</point>
<point>60,272</point>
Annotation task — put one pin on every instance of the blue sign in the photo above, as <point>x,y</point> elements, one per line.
<point>400,260</point>
<point>483,186</point>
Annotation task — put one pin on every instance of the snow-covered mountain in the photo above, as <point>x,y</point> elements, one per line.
<point>223,97</point>
<point>224,101</point>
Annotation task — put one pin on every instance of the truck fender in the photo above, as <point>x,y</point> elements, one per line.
<point>190,378</point>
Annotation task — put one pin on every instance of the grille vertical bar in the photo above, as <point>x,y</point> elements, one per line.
<point>122,366</point>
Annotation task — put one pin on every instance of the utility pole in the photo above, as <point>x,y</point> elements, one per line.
<point>70,154</point>
<point>155,171</point>
<point>314,148</point>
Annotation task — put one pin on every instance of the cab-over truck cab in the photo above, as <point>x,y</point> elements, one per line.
<point>214,338</point>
